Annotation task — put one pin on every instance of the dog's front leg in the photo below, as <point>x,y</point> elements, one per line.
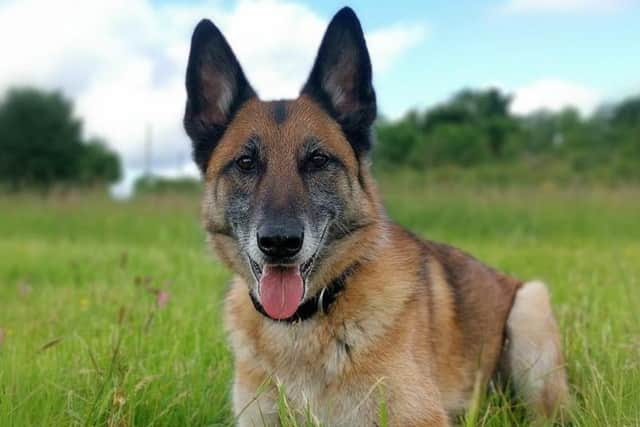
<point>433,416</point>
<point>414,400</point>
<point>254,400</point>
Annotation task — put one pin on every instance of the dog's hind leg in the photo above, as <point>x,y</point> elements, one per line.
<point>532,358</point>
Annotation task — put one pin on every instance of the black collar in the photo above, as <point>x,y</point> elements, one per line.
<point>322,301</point>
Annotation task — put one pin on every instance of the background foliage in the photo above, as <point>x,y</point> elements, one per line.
<point>474,131</point>
<point>41,144</point>
<point>471,137</point>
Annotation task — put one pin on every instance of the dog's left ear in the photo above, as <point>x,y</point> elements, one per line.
<point>340,79</point>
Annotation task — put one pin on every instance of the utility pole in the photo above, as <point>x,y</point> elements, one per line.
<point>147,150</point>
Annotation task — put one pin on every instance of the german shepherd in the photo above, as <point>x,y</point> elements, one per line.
<point>334,306</point>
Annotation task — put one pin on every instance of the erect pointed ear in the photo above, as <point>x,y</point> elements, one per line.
<point>216,88</point>
<point>340,79</point>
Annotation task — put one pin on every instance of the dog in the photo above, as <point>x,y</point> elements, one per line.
<point>335,309</point>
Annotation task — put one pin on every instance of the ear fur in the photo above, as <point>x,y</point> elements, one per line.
<point>341,80</point>
<point>216,88</point>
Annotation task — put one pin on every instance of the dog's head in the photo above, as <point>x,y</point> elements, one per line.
<point>287,190</point>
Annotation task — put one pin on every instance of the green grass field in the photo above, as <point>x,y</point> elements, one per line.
<point>84,340</point>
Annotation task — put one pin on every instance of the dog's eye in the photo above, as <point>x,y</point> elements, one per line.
<point>246,163</point>
<point>318,160</point>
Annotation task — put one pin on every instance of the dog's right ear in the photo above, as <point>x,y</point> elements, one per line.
<point>216,88</point>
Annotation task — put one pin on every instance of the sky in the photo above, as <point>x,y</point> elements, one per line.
<point>122,62</point>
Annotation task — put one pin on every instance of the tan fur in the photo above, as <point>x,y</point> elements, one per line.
<point>533,358</point>
<point>417,323</point>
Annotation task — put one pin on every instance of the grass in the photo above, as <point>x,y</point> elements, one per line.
<point>110,311</point>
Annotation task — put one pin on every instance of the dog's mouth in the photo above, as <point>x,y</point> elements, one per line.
<point>281,288</point>
<point>304,268</point>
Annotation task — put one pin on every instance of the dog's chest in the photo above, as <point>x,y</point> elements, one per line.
<point>313,364</point>
<point>307,359</point>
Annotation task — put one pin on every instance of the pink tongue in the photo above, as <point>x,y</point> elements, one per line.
<point>281,290</point>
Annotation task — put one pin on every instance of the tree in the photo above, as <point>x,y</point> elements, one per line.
<point>396,141</point>
<point>475,129</point>
<point>450,144</point>
<point>99,164</point>
<point>627,113</point>
<point>471,128</point>
<point>41,143</point>
<point>489,111</point>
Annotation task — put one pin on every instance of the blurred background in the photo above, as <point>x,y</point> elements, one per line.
<point>508,128</point>
<point>504,90</point>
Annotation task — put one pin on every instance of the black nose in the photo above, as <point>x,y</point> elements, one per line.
<point>279,242</point>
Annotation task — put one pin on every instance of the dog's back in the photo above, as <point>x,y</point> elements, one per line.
<point>470,304</point>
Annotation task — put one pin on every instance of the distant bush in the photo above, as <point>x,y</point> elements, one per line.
<point>41,144</point>
<point>475,131</point>
<point>162,185</point>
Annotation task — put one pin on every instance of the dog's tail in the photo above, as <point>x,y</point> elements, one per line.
<point>533,358</point>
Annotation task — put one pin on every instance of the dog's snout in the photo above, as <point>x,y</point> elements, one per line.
<point>280,242</point>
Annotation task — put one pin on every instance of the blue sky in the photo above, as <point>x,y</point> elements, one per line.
<point>592,44</point>
<point>122,62</point>
<point>476,43</point>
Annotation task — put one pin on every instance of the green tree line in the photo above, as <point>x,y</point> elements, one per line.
<point>475,130</point>
<point>42,144</point>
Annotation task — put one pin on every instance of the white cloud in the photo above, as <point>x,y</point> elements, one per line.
<point>388,44</point>
<point>123,61</point>
<point>554,95</point>
<point>563,6</point>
